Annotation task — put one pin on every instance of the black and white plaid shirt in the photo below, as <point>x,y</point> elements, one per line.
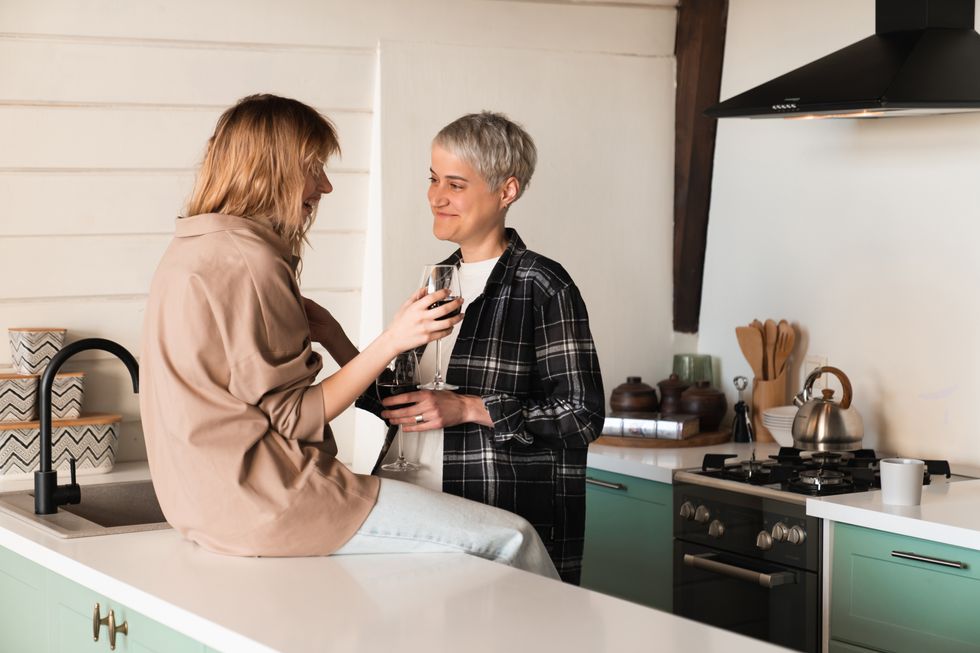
<point>525,346</point>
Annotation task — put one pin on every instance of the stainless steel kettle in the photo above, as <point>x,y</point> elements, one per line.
<point>823,424</point>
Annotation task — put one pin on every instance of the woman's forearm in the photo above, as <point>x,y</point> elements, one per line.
<point>341,388</point>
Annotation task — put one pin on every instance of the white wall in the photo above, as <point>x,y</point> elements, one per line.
<point>105,107</point>
<point>860,232</point>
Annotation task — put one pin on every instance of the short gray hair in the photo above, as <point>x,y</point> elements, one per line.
<point>493,144</point>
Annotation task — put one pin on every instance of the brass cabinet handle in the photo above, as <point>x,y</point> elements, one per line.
<point>97,622</point>
<point>113,629</point>
<point>934,561</point>
<point>612,486</point>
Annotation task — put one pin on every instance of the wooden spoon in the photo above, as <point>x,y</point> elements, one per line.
<point>770,343</point>
<point>785,341</point>
<point>750,341</point>
<point>756,324</point>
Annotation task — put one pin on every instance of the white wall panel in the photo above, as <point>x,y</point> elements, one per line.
<point>63,70</point>
<point>359,23</point>
<point>110,137</point>
<point>114,265</point>
<point>64,203</point>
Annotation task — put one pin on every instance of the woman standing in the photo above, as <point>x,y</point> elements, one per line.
<point>237,434</point>
<point>530,400</point>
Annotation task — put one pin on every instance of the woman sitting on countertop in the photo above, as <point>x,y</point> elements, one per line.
<point>238,442</point>
<point>516,433</point>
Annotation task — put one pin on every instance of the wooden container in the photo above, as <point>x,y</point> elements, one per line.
<point>92,440</point>
<point>766,394</point>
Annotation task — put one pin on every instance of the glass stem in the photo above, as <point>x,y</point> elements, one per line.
<point>438,377</point>
<point>401,455</point>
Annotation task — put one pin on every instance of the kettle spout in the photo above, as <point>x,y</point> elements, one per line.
<point>801,398</point>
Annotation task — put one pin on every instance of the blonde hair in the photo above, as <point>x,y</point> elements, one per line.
<point>494,145</point>
<point>257,162</point>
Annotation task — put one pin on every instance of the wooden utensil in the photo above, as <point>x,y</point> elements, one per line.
<point>750,341</point>
<point>785,341</point>
<point>770,344</point>
<point>758,326</point>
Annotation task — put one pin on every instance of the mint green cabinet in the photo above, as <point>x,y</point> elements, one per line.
<point>71,608</point>
<point>843,647</point>
<point>884,599</point>
<point>42,612</point>
<point>629,538</point>
<point>22,619</point>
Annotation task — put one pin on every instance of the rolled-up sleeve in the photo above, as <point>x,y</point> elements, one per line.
<point>572,413</point>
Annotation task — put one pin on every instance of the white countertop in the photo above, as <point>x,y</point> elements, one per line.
<point>405,603</point>
<point>660,464</point>
<point>948,513</point>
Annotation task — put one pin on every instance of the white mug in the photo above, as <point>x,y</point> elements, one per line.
<point>901,481</point>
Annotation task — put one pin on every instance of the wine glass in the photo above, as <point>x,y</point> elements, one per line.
<point>401,376</point>
<point>435,278</point>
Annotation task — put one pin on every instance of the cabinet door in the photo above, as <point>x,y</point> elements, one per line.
<point>884,600</point>
<point>628,538</point>
<point>842,647</point>
<point>23,622</point>
<point>70,617</point>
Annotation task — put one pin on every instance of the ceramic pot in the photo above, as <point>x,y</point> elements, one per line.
<point>707,403</point>
<point>634,396</point>
<point>671,389</point>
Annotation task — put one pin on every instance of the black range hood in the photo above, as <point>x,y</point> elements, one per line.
<point>923,58</point>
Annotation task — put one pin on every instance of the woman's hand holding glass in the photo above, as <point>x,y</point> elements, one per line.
<point>416,324</point>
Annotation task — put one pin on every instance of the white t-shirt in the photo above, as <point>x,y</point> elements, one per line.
<point>425,447</point>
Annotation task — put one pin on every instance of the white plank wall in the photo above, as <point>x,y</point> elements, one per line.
<point>105,107</point>
<point>100,140</point>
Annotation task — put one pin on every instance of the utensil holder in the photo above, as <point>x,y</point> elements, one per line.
<point>766,394</point>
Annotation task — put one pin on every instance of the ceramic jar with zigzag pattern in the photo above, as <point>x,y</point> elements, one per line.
<point>18,397</point>
<point>66,395</point>
<point>32,348</point>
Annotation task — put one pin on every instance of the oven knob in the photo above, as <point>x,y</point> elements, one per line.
<point>796,535</point>
<point>763,540</point>
<point>779,532</point>
<point>687,510</point>
<point>716,529</point>
<point>702,515</point>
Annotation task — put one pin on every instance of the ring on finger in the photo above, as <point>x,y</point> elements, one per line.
<point>419,419</point>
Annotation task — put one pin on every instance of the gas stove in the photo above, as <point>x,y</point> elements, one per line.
<point>747,556</point>
<point>793,475</point>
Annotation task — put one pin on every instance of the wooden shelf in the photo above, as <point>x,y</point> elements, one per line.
<point>84,420</point>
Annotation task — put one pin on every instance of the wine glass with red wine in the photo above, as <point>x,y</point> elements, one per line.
<point>401,376</point>
<point>435,278</point>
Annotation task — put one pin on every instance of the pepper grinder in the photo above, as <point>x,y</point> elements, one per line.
<point>742,424</point>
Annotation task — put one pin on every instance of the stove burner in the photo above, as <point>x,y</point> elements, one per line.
<point>750,467</point>
<point>821,477</point>
<point>827,457</point>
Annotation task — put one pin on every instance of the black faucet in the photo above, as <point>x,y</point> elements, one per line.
<point>48,495</point>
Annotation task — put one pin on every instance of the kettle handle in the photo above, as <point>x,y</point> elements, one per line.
<point>845,401</point>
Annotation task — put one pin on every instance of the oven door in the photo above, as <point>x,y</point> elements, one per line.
<point>750,596</point>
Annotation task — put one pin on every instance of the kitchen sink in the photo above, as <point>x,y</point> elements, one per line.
<point>106,509</point>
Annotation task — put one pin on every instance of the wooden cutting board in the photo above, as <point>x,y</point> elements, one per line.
<point>699,440</point>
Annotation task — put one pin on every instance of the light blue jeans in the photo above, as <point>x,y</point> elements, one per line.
<point>412,519</point>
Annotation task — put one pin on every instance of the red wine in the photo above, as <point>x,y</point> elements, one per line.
<point>446,301</point>
<point>386,390</point>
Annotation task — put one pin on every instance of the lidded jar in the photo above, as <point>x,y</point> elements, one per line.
<point>670,394</point>
<point>708,403</point>
<point>634,396</point>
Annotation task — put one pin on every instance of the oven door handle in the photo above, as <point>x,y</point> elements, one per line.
<point>704,561</point>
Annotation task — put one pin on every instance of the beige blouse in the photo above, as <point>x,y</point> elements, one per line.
<point>241,457</point>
